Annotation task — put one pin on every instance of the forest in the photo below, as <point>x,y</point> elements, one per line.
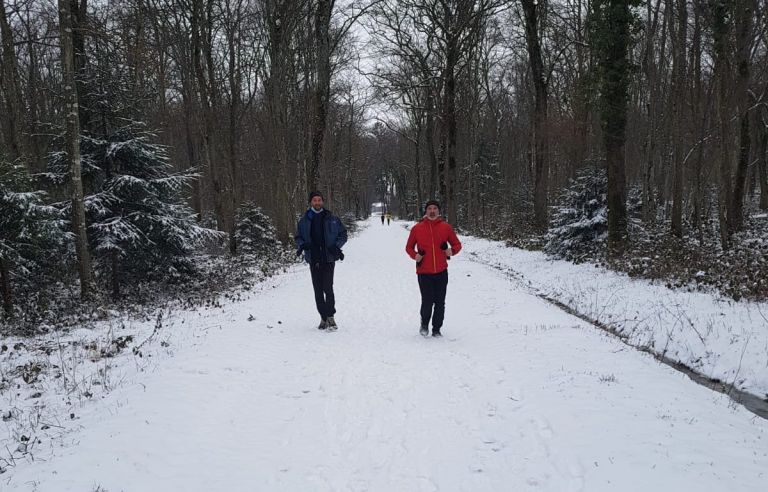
<point>155,148</point>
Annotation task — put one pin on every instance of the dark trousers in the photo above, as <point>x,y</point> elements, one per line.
<point>322,282</point>
<point>433,289</point>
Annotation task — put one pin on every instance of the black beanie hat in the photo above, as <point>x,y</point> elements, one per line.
<point>432,202</point>
<point>314,194</point>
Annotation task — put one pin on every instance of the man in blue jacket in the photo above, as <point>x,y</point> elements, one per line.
<point>320,235</point>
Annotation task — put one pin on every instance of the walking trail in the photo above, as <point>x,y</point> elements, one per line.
<point>518,396</point>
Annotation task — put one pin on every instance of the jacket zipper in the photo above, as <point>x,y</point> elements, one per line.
<point>434,260</point>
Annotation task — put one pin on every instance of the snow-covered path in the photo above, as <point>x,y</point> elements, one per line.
<point>518,396</point>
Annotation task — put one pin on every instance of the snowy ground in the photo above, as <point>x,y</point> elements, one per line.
<point>715,336</point>
<point>517,396</point>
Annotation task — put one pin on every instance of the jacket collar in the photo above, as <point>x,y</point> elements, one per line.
<point>436,221</point>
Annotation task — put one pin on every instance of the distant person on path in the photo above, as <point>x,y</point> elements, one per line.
<point>320,235</point>
<point>431,244</point>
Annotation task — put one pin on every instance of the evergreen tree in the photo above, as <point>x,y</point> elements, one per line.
<point>31,232</point>
<point>138,221</point>
<point>256,234</point>
<point>580,222</point>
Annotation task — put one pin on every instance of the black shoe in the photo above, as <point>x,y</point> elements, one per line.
<point>436,332</point>
<point>323,325</point>
<point>332,326</point>
<point>424,330</point>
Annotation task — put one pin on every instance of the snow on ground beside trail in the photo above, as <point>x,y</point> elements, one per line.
<point>517,396</point>
<point>716,336</point>
<point>48,381</point>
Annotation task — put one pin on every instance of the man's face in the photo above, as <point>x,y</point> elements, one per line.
<point>433,212</point>
<point>317,202</point>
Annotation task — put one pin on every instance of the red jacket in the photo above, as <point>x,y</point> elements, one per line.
<point>427,236</point>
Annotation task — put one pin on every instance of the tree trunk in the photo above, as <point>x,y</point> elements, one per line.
<point>743,13</point>
<point>448,134</point>
<point>430,142</point>
<point>5,284</point>
<point>280,48</point>
<point>73,147</point>
<point>115,265</point>
<point>35,140</point>
<point>189,118</point>
<point>348,186</point>
<point>762,165</point>
<point>199,75</point>
<point>540,157</point>
<point>617,210</point>
<point>9,83</point>
<point>202,44</point>
<point>450,198</point>
<point>614,55</point>
<point>722,69</point>
<point>679,77</point>
<point>651,74</point>
<point>220,172</point>
<point>235,81</point>
<point>736,222</point>
<point>417,168</point>
<point>78,12</point>
<point>322,89</point>
<point>697,114</point>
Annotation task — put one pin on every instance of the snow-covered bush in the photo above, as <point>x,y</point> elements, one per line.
<point>579,223</point>
<point>255,232</point>
<point>635,201</point>
<point>350,222</point>
<point>31,234</point>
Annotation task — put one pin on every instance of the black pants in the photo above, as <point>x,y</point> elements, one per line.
<point>433,289</point>
<point>322,282</point>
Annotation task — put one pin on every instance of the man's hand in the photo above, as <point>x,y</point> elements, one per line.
<point>418,257</point>
<point>447,248</point>
<point>334,250</point>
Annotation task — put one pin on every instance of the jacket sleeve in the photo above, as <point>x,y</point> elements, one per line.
<point>411,244</point>
<point>341,239</point>
<point>298,237</point>
<point>453,240</point>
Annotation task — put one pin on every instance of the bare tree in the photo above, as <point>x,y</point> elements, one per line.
<point>322,87</point>
<point>743,18</point>
<point>73,146</point>
<point>532,10</point>
<point>678,99</point>
<point>222,178</point>
<point>14,120</point>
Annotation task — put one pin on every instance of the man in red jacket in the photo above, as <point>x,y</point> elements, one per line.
<point>431,244</point>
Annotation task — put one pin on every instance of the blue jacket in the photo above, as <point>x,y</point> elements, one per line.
<point>334,231</point>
